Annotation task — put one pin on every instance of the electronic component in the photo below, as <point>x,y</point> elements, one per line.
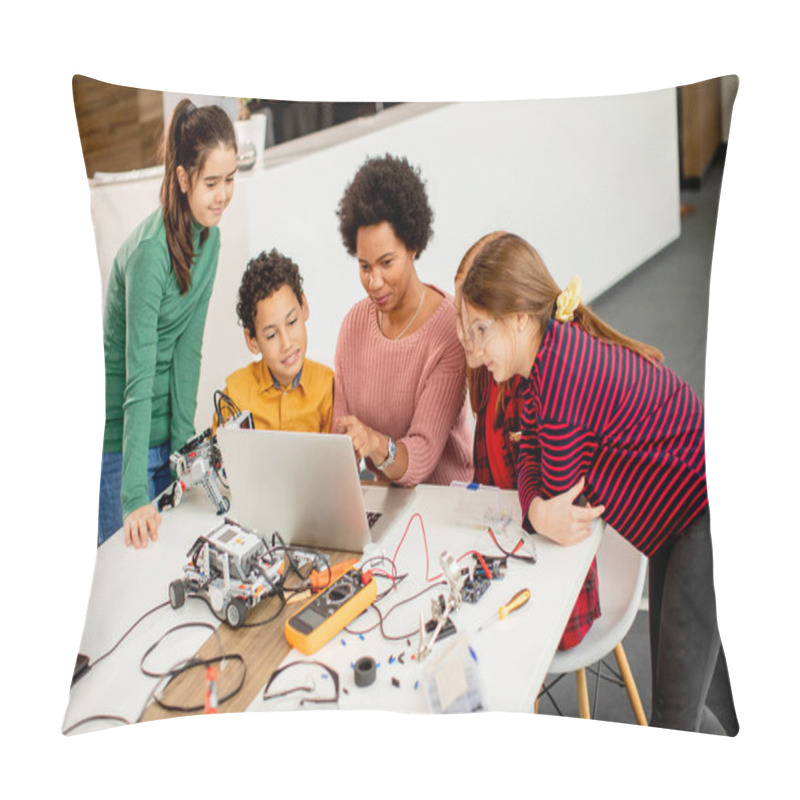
<point>448,629</point>
<point>475,585</point>
<point>199,461</point>
<point>232,568</point>
<point>364,671</point>
<point>451,681</point>
<point>211,705</point>
<point>325,615</point>
<point>228,414</point>
<point>441,609</point>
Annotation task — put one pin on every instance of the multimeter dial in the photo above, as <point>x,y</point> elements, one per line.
<point>338,593</point>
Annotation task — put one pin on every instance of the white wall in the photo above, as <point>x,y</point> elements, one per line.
<point>592,183</point>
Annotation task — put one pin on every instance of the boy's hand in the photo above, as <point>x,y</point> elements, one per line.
<point>365,440</point>
<point>558,519</point>
<point>140,524</point>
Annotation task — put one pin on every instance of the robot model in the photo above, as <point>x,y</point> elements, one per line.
<point>199,461</point>
<point>233,569</point>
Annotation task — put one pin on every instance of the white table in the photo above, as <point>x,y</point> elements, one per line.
<point>512,655</point>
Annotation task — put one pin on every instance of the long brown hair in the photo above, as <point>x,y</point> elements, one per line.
<point>508,276</point>
<point>191,135</point>
<point>477,382</point>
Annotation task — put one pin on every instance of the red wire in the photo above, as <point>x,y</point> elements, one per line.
<point>517,547</point>
<point>429,579</point>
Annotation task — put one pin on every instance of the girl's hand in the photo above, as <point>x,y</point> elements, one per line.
<point>366,442</point>
<point>140,524</point>
<point>558,519</point>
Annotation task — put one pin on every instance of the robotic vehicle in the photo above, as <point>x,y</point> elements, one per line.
<point>233,569</point>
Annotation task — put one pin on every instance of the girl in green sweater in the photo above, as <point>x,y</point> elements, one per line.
<point>155,312</point>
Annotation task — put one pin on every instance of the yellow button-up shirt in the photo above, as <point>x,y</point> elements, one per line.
<point>306,405</point>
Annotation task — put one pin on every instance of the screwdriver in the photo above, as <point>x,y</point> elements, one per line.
<point>517,601</point>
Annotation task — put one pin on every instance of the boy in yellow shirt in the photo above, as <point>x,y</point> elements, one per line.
<point>283,390</point>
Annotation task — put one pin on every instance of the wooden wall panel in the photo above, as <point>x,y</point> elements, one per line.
<point>120,127</point>
<point>701,127</point>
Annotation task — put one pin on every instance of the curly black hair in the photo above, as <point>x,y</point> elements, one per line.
<point>387,189</point>
<point>265,274</point>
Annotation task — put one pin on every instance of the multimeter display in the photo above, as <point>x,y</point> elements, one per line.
<point>325,615</point>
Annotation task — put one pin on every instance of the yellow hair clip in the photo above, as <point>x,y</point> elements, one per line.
<point>569,300</point>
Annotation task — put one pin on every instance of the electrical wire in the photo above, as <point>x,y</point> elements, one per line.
<point>329,670</point>
<point>382,616</point>
<point>512,553</point>
<point>224,407</point>
<point>126,634</point>
<point>194,664</point>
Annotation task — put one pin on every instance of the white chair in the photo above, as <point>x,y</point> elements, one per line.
<point>621,571</point>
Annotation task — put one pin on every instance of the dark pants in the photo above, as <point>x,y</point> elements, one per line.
<point>685,645</point>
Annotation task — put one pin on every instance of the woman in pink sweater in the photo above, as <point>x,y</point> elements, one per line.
<point>400,384</point>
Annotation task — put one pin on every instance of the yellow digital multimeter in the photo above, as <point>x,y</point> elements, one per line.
<point>322,617</point>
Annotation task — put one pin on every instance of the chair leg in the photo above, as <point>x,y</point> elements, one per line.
<point>630,685</point>
<point>583,694</point>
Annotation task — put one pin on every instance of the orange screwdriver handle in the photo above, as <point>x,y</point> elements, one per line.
<point>517,601</point>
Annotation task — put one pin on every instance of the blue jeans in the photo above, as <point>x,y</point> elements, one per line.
<point>158,478</point>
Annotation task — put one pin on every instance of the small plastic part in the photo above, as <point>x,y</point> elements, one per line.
<point>211,705</point>
<point>451,681</point>
<point>321,579</point>
<point>177,594</point>
<point>395,683</point>
<point>236,612</point>
<point>448,629</point>
<point>364,671</point>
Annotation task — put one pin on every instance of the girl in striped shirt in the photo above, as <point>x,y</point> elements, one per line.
<point>607,429</point>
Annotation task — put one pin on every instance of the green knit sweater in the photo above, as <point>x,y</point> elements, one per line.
<point>153,337</point>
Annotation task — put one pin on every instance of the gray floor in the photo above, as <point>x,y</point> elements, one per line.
<point>665,303</point>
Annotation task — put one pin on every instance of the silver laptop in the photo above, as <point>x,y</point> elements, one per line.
<point>306,487</point>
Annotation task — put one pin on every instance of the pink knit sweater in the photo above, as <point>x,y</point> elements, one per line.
<point>412,389</point>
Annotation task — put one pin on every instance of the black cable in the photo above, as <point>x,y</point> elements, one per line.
<point>163,636</point>
<point>526,559</point>
<point>124,635</point>
<point>244,624</point>
<point>332,672</point>
<point>95,718</point>
<point>206,662</point>
<point>224,403</point>
<point>281,597</point>
<point>170,674</point>
<point>382,617</point>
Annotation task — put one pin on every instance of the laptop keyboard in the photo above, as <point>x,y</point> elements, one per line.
<point>373,517</point>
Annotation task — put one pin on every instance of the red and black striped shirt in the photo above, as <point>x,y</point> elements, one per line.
<point>631,426</point>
